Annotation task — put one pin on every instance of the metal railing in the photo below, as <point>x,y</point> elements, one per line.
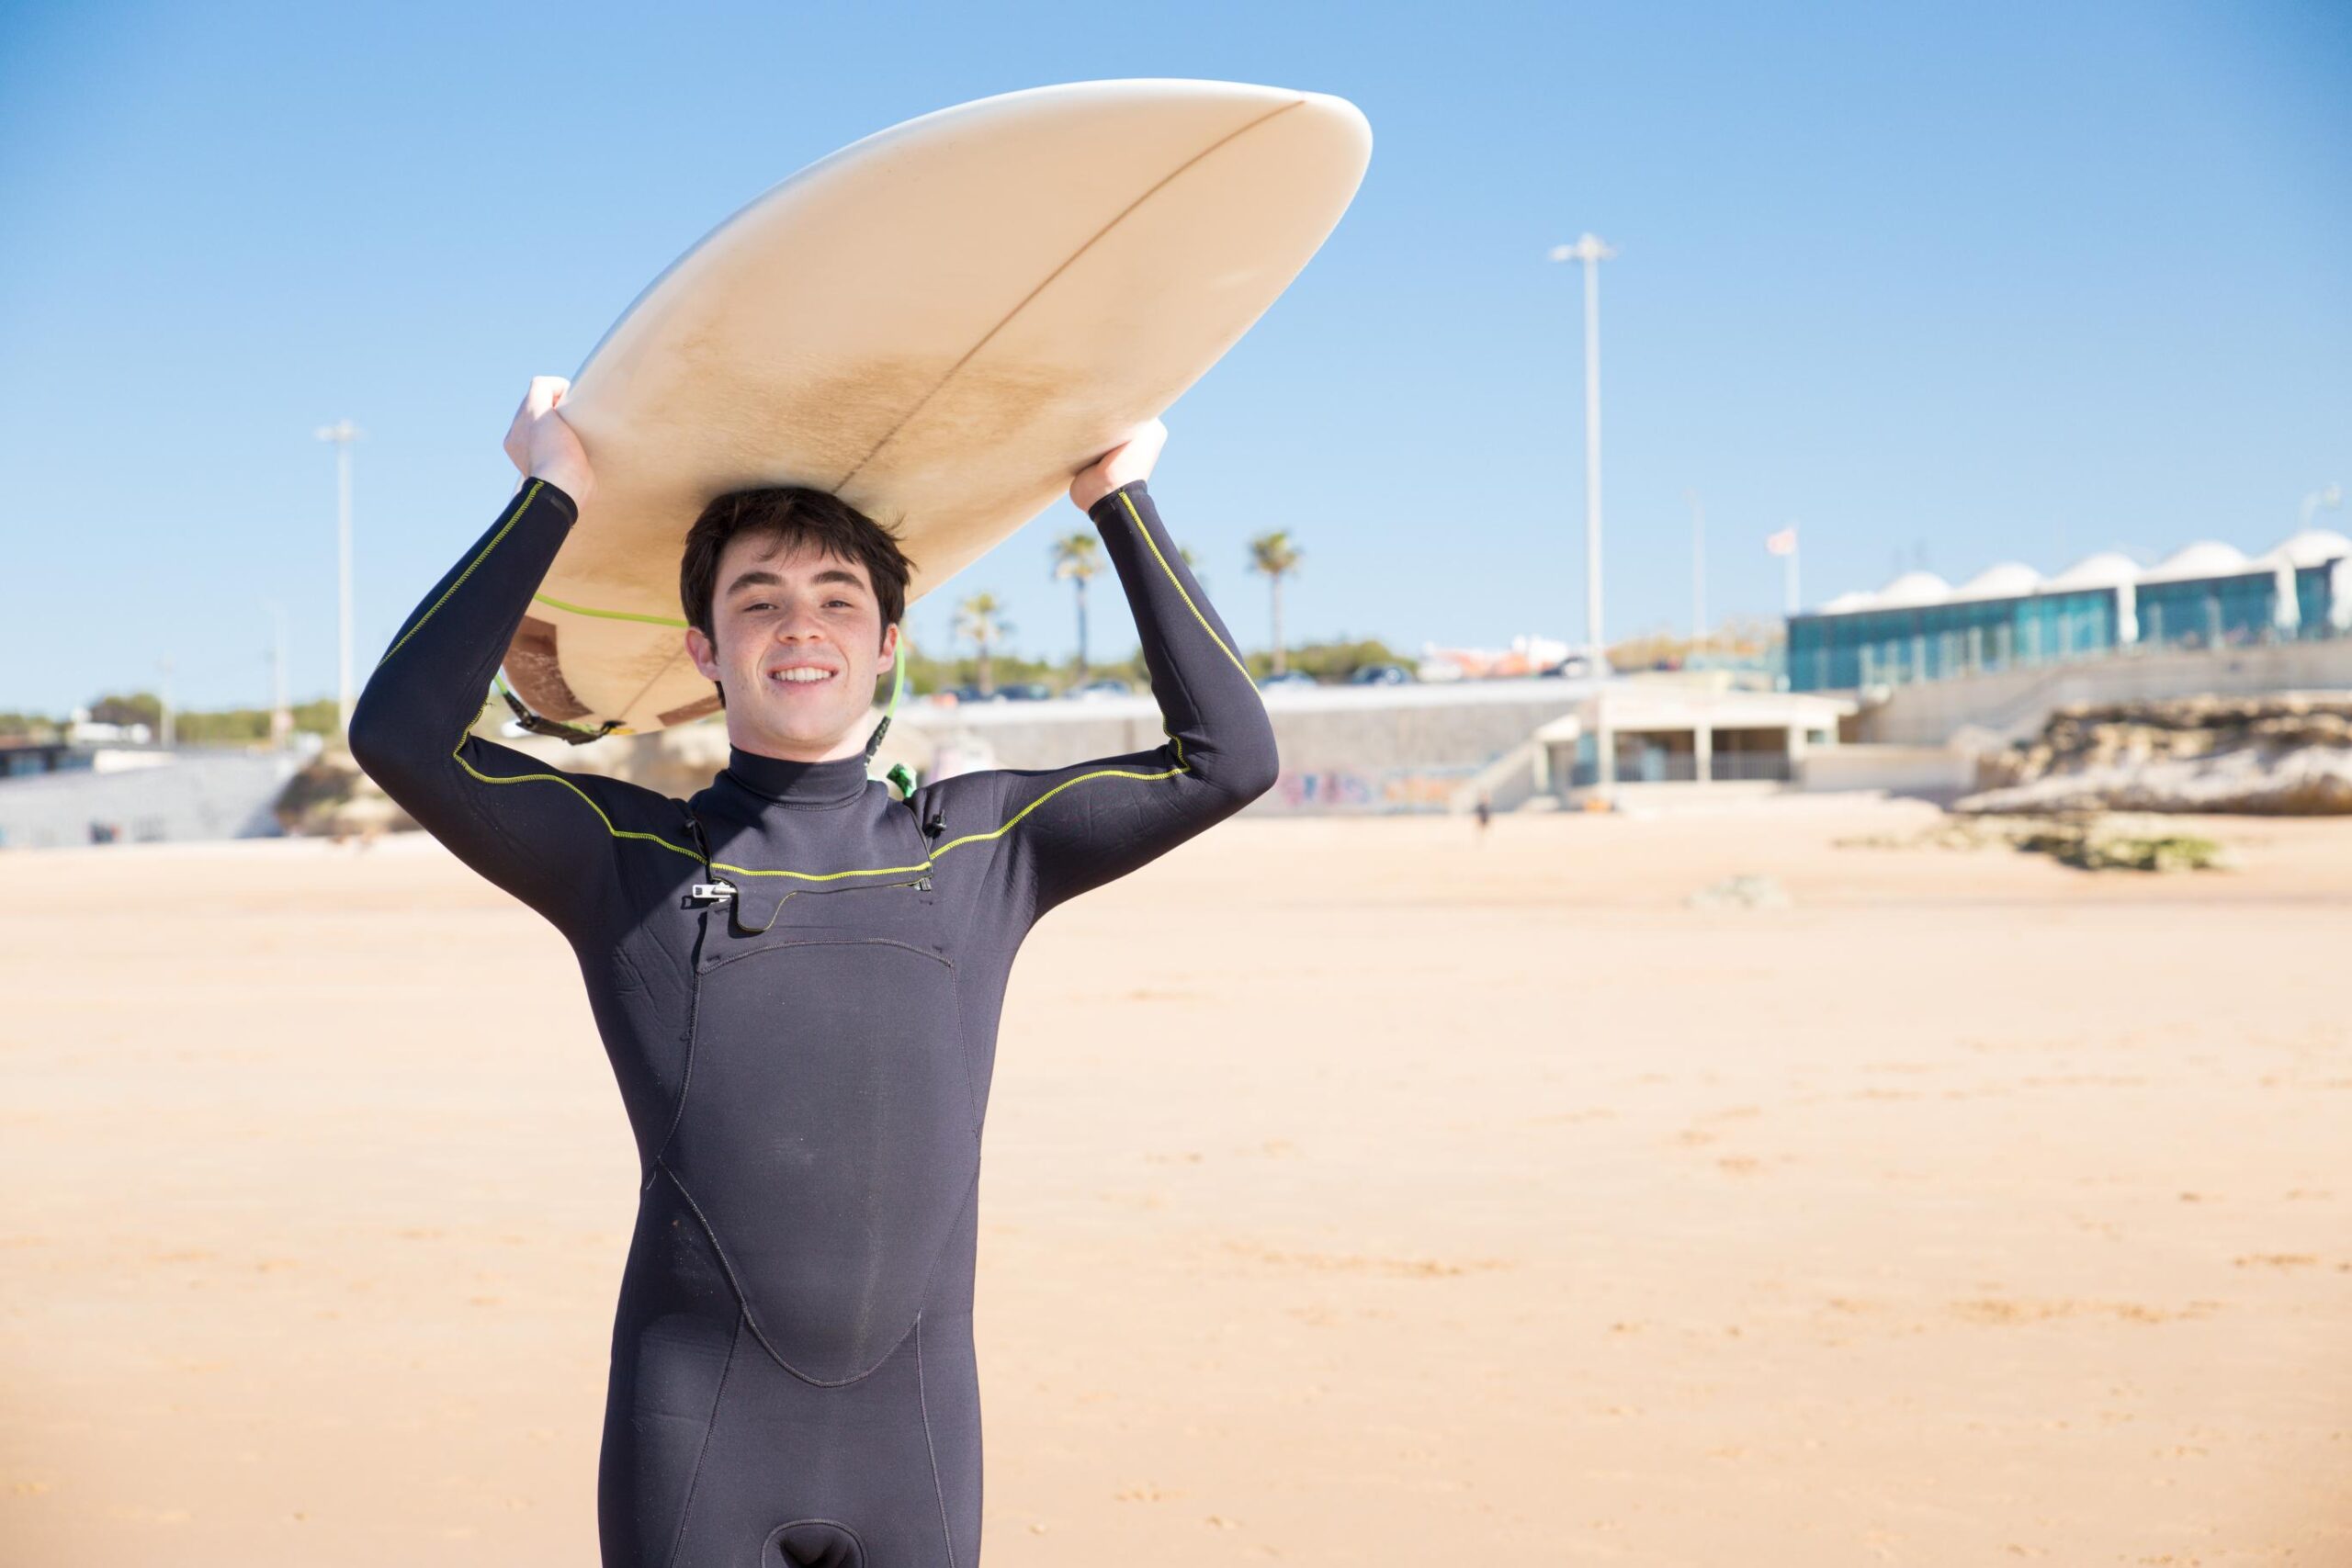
<point>1682,767</point>
<point>1727,767</point>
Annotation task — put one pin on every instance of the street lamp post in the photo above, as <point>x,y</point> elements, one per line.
<point>343,433</point>
<point>1698,570</point>
<point>281,718</point>
<point>1589,249</point>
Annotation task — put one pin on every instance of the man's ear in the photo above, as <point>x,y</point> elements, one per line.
<point>890,650</point>
<point>706,660</point>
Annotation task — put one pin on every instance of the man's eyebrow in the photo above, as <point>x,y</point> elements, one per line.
<point>759,577</point>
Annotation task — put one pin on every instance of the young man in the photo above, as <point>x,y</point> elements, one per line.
<point>797,978</point>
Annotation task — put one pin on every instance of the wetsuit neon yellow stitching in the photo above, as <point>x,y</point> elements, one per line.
<point>530,495</point>
<point>1148,539</point>
<point>806,1066</point>
<point>742,871</point>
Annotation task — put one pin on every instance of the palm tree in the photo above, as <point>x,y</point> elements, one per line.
<point>980,621</point>
<point>1079,557</point>
<point>1275,555</point>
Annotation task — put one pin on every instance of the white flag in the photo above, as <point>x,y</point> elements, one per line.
<point>1784,543</point>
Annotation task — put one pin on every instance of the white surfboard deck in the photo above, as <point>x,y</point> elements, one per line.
<point>940,323</point>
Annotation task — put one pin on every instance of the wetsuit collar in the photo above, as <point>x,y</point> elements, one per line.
<point>836,783</point>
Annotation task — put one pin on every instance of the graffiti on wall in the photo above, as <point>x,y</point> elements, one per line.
<point>1370,789</point>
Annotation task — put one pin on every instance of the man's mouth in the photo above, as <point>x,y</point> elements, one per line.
<point>803,674</point>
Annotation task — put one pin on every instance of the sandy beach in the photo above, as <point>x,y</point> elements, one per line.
<point>1471,1202</point>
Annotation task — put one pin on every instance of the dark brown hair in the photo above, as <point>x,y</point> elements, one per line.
<point>794,516</point>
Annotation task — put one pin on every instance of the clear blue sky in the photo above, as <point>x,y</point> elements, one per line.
<point>1956,282</point>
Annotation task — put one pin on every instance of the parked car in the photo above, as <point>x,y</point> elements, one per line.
<point>1287,678</point>
<point>1575,667</point>
<point>974,695</point>
<point>1025,691</point>
<point>1380,675</point>
<point>1109,686</point>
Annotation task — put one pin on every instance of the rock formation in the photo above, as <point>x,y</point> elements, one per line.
<point>2285,755</point>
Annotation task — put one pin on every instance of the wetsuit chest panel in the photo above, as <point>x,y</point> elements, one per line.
<point>904,909</point>
<point>829,1133</point>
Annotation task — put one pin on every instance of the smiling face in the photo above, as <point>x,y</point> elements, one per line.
<point>796,642</point>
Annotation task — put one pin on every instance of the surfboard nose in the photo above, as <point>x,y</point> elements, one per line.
<point>940,323</point>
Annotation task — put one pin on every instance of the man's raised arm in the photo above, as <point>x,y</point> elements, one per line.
<point>1071,829</point>
<point>411,729</point>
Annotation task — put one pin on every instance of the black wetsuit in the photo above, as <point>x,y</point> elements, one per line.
<point>806,1066</point>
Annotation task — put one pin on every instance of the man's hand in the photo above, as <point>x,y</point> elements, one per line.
<point>1122,465</point>
<point>543,446</point>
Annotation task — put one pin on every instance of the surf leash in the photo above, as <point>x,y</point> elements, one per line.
<point>898,773</point>
<point>572,733</point>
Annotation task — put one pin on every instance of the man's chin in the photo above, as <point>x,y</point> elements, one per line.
<point>774,733</point>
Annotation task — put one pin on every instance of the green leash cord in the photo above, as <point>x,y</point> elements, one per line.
<point>538,726</point>
<point>898,773</point>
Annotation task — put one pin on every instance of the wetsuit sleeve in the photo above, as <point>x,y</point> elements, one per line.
<point>1068,830</point>
<point>533,830</point>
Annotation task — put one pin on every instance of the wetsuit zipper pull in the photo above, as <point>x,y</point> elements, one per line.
<point>718,890</point>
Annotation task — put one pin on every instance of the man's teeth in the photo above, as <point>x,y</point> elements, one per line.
<point>804,675</point>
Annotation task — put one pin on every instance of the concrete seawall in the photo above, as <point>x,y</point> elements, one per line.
<point>1379,748</point>
<point>193,794</point>
<point>1356,750</point>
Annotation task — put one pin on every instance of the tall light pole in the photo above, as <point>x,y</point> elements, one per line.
<point>281,718</point>
<point>1698,570</point>
<point>1589,249</point>
<point>343,433</point>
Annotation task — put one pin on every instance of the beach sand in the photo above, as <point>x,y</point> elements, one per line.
<point>1442,1201</point>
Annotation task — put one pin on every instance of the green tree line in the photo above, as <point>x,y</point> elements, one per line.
<point>976,655</point>
<point>221,727</point>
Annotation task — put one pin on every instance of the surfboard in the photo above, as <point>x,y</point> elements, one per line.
<point>941,323</point>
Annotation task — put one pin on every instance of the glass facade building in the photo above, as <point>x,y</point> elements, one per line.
<point>1919,628</point>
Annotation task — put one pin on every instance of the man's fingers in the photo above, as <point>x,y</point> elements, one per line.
<point>539,399</point>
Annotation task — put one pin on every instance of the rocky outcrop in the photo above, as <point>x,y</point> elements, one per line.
<point>2090,842</point>
<point>2286,755</point>
<point>331,798</point>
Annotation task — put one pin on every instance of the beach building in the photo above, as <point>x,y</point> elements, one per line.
<point>1702,733</point>
<point>2208,595</point>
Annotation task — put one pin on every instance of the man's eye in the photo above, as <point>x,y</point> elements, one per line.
<point>843,602</point>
